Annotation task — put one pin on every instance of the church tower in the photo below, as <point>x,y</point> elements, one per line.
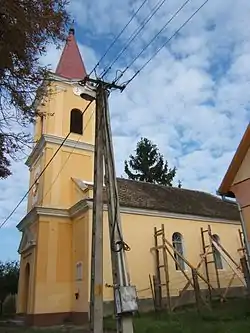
<point>63,152</point>
<point>60,112</point>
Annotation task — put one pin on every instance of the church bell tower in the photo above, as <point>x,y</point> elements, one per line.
<point>63,151</point>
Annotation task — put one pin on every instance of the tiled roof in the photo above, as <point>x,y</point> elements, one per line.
<point>143,195</point>
<point>71,65</point>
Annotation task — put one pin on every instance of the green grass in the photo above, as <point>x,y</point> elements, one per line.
<point>230,317</point>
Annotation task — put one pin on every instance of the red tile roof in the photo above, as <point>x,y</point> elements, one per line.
<point>71,65</point>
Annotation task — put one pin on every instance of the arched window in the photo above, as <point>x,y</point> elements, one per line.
<point>177,241</point>
<point>76,122</point>
<point>217,255</point>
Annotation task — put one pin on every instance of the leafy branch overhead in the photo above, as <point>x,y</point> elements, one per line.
<point>27,27</point>
<point>148,165</point>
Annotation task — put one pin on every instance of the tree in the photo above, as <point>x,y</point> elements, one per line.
<point>27,27</point>
<point>9,274</point>
<point>149,165</point>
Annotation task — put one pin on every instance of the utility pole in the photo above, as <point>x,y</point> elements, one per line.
<point>96,291</point>
<point>125,300</point>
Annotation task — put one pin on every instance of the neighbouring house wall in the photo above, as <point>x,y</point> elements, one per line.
<point>244,170</point>
<point>241,189</point>
<point>138,232</point>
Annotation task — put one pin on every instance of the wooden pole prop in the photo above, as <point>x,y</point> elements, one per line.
<point>189,264</point>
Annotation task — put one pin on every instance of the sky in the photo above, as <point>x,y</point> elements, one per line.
<point>192,99</point>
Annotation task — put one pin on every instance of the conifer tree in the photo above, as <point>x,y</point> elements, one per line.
<point>148,165</point>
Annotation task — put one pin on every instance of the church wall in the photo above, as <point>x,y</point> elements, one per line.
<point>46,179</point>
<point>58,104</point>
<point>138,233</point>
<point>71,101</point>
<point>79,165</point>
<point>36,169</point>
<point>80,267</point>
<point>25,299</point>
<point>53,289</point>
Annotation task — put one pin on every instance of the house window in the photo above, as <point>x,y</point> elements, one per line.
<point>217,255</point>
<point>79,271</point>
<point>76,121</point>
<point>177,241</point>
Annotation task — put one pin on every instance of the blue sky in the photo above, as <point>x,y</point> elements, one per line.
<point>192,100</point>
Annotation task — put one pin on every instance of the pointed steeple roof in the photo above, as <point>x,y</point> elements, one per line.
<point>71,65</point>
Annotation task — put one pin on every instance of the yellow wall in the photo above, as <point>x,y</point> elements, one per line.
<point>55,186</point>
<point>80,254</point>
<point>57,106</point>
<point>138,233</point>
<point>54,266</point>
<point>58,186</point>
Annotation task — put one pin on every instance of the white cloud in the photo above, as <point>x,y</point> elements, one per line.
<point>192,99</point>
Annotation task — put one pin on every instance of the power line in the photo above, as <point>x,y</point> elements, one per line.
<point>67,159</point>
<point>159,32</point>
<point>118,36</point>
<point>42,172</point>
<point>169,39</point>
<point>133,36</point>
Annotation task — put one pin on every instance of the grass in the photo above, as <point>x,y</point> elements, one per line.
<point>230,317</point>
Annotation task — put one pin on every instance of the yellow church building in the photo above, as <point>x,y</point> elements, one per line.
<point>55,248</point>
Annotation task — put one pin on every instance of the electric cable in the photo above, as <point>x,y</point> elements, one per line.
<point>67,159</point>
<point>42,172</point>
<point>152,40</point>
<point>164,44</point>
<point>133,36</point>
<point>117,37</point>
<point>119,244</point>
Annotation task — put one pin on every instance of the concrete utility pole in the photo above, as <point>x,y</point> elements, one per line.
<point>125,302</point>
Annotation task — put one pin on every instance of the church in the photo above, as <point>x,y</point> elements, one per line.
<point>55,246</point>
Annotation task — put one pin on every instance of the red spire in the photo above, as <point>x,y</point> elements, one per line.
<point>71,65</point>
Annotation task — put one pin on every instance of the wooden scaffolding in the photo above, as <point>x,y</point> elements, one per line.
<point>163,250</point>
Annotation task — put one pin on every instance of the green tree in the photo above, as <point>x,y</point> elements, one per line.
<point>27,27</point>
<point>149,165</point>
<point>9,274</point>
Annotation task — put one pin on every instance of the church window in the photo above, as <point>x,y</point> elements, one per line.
<point>217,255</point>
<point>76,121</point>
<point>79,271</point>
<point>177,241</point>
